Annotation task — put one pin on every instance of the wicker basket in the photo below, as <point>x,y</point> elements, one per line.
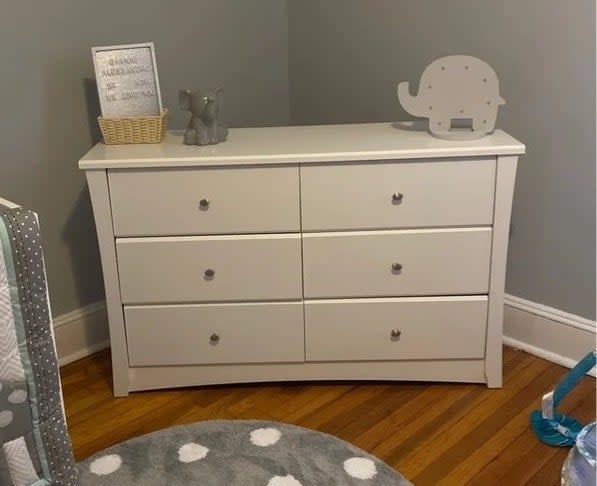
<point>136,129</point>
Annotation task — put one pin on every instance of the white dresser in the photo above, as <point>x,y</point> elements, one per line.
<point>359,252</point>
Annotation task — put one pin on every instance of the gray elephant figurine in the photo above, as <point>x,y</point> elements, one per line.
<point>204,127</point>
<point>454,90</point>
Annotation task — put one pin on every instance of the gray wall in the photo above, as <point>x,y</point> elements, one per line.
<point>48,107</point>
<point>344,59</point>
<point>346,56</point>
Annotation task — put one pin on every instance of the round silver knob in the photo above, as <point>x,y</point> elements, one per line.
<point>204,204</point>
<point>396,333</point>
<point>214,338</point>
<point>209,273</point>
<point>396,267</point>
<point>397,197</point>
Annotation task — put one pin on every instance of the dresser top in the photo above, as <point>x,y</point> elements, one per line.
<point>316,143</point>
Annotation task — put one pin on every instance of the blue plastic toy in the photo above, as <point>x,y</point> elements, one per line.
<point>554,428</point>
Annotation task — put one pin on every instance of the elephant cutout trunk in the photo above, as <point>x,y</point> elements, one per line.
<point>408,101</point>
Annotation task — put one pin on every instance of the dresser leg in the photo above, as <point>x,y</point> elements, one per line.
<point>494,384</point>
<point>493,373</point>
<point>100,198</point>
<point>118,389</point>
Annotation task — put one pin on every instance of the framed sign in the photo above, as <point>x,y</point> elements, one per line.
<point>127,80</point>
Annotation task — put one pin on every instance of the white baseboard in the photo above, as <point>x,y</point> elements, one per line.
<point>81,332</point>
<point>546,332</point>
<point>551,313</point>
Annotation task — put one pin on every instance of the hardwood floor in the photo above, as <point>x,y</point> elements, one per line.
<point>434,434</point>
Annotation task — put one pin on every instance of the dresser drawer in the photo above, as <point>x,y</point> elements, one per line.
<point>209,268</point>
<point>396,263</point>
<point>205,201</point>
<point>214,333</point>
<point>395,329</point>
<point>398,195</point>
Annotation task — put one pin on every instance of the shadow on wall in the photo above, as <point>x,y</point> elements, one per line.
<point>80,238</point>
<point>93,109</point>
<point>68,127</point>
<point>412,126</point>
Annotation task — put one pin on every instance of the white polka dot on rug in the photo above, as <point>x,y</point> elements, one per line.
<point>284,481</point>
<point>360,468</point>
<point>192,452</point>
<point>105,465</point>
<point>265,437</point>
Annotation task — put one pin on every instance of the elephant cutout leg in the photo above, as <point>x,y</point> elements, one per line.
<point>439,124</point>
<point>483,123</point>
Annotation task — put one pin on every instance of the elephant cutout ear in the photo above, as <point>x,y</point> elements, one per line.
<point>184,99</point>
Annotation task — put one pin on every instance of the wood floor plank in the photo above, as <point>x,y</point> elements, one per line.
<point>120,421</point>
<point>519,449</point>
<point>496,468</point>
<point>321,418</point>
<point>549,474</point>
<point>410,417</point>
<point>437,471</point>
<point>419,450</point>
<point>531,463</point>
<point>424,427</point>
<point>490,449</point>
<point>451,434</point>
<point>309,398</point>
<point>369,414</point>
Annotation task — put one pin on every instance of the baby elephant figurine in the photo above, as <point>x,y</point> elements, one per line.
<point>204,127</point>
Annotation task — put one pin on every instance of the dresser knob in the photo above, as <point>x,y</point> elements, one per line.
<point>204,204</point>
<point>396,267</point>
<point>397,197</point>
<point>396,333</point>
<point>214,338</point>
<point>209,273</point>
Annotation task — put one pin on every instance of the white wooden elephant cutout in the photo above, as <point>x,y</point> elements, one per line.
<point>454,90</point>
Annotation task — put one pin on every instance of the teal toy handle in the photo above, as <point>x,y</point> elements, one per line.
<point>552,399</point>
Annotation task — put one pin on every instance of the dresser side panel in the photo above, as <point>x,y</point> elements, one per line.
<point>505,180</point>
<point>100,200</point>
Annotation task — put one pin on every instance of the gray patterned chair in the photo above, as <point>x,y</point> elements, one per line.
<point>36,448</point>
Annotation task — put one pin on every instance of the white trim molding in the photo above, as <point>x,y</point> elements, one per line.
<point>78,314</point>
<point>542,353</point>
<point>551,334</point>
<point>551,313</point>
<point>81,332</point>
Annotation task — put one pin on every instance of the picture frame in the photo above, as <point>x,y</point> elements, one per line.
<point>127,80</point>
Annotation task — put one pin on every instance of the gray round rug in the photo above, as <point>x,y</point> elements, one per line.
<point>237,453</point>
